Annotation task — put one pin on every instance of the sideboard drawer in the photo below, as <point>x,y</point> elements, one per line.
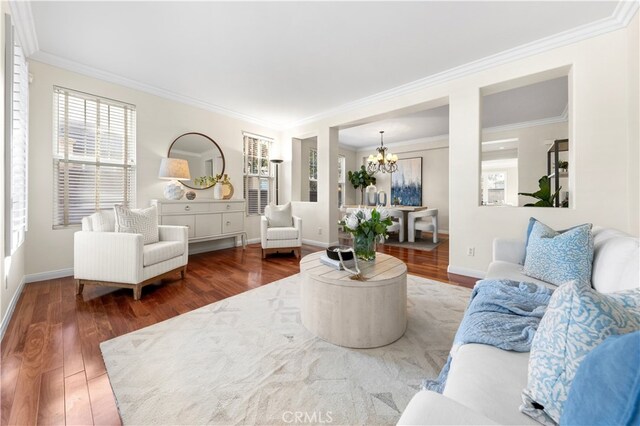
<point>181,220</point>
<point>228,207</point>
<point>208,225</point>
<point>185,208</point>
<point>232,222</point>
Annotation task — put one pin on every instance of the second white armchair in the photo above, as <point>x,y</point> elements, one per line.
<point>423,220</point>
<point>280,231</point>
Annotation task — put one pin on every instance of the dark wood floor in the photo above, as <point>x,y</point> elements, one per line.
<point>52,370</point>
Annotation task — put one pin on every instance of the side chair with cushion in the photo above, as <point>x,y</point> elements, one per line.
<point>128,250</point>
<point>423,220</point>
<point>280,231</point>
<point>398,224</point>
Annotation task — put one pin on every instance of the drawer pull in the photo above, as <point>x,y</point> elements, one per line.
<point>228,223</point>
<point>228,206</point>
<point>187,208</point>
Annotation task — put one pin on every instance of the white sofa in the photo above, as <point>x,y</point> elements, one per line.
<point>119,259</point>
<point>485,383</point>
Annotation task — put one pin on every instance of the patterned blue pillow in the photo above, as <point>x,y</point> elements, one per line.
<point>577,320</point>
<point>559,257</point>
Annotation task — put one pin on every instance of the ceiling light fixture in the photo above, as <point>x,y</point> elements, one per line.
<point>382,162</point>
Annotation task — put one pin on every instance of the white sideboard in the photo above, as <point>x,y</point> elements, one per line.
<point>206,219</point>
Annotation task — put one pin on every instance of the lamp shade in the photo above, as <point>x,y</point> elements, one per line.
<point>174,169</point>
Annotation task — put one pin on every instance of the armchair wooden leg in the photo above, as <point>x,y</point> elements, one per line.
<point>264,255</point>
<point>183,272</point>
<point>79,287</point>
<point>137,292</point>
<point>297,252</point>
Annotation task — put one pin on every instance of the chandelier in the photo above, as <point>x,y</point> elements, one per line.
<point>382,162</point>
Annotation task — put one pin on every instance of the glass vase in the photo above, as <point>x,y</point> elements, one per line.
<point>365,247</point>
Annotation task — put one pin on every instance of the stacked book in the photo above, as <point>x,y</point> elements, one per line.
<point>336,263</point>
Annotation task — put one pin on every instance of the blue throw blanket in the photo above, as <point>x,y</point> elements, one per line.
<point>501,313</point>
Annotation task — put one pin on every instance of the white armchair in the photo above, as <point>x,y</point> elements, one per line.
<point>280,239</point>
<point>398,224</point>
<point>118,259</point>
<point>423,220</point>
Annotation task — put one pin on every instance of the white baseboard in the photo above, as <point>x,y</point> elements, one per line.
<point>49,275</point>
<point>465,271</point>
<point>315,243</point>
<point>11,308</point>
<point>253,241</point>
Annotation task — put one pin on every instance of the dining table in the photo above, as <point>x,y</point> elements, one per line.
<point>404,209</point>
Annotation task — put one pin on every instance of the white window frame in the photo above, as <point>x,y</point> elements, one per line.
<point>313,173</point>
<point>16,140</point>
<point>261,176</point>
<point>64,160</point>
<point>485,188</point>
<point>342,164</point>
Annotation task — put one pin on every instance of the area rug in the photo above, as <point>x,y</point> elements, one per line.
<point>249,360</point>
<point>424,244</point>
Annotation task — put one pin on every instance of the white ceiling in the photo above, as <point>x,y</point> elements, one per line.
<point>422,124</point>
<point>534,103</point>
<point>282,62</point>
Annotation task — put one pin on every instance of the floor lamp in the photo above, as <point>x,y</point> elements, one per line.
<point>277,162</point>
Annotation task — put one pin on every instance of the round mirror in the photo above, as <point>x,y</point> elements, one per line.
<point>203,154</point>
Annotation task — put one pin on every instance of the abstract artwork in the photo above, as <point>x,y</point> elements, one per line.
<point>406,182</point>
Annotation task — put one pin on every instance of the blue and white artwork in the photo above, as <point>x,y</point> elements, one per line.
<point>406,182</point>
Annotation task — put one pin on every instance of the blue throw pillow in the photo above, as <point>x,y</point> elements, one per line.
<point>606,389</point>
<point>577,320</point>
<point>559,257</point>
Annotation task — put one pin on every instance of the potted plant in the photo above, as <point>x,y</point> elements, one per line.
<point>361,179</point>
<point>210,181</point>
<point>366,226</point>
<point>544,196</point>
<point>563,165</point>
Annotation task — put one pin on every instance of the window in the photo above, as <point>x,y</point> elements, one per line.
<point>257,173</point>
<point>341,179</point>
<point>493,188</point>
<point>313,174</point>
<point>17,142</point>
<point>94,155</point>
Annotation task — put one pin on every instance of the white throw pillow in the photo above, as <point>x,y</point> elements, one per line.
<point>279,216</point>
<point>103,221</point>
<point>138,221</point>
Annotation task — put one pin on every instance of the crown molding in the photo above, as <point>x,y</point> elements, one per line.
<point>409,142</point>
<point>622,15</point>
<point>76,67</point>
<point>620,18</point>
<point>25,28</point>
<point>514,126</point>
<point>430,139</point>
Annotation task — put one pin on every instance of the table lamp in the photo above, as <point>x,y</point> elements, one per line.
<point>174,169</point>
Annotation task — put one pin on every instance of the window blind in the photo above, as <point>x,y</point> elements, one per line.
<point>94,155</point>
<point>257,171</point>
<point>17,153</point>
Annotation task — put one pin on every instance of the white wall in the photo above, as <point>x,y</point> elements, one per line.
<point>435,173</point>
<point>159,122</point>
<point>601,95</point>
<point>633,170</point>
<point>351,164</point>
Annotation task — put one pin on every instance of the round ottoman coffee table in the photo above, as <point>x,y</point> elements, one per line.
<point>355,314</point>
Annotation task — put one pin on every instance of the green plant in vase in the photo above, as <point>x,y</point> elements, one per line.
<point>360,179</point>
<point>367,226</point>
<point>207,181</point>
